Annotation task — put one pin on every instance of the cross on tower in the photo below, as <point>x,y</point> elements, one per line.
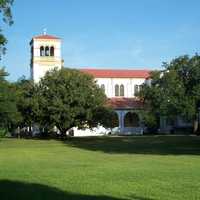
<point>44,31</point>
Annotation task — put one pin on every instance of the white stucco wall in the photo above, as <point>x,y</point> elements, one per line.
<point>39,71</point>
<point>129,85</point>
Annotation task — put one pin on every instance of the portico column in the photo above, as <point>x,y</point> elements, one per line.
<point>121,121</point>
<point>122,118</point>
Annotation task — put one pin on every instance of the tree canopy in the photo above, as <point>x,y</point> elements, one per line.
<point>8,109</point>
<point>70,98</point>
<point>5,10</point>
<point>27,102</point>
<point>174,91</point>
<point>9,115</point>
<point>63,98</point>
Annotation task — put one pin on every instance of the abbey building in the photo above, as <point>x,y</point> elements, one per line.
<point>120,86</point>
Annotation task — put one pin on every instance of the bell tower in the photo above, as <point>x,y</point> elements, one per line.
<point>45,55</point>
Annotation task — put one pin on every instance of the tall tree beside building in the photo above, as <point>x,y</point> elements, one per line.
<point>174,91</point>
<point>70,98</point>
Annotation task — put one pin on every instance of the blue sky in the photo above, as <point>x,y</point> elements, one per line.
<point>127,34</point>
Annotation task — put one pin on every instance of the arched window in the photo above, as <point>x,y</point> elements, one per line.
<point>41,51</point>
<point>114,120</point>
<point>47,53</point>
<point>116,90</point>
<point>52,51</point>
<point>121,90</point>
<point>103,87</point>
<point>137,88</point>
<point>131,120</point>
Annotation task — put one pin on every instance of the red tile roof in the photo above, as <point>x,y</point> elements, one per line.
<point>46,37</point>
<point>124,103</point>
<point>117,73</point>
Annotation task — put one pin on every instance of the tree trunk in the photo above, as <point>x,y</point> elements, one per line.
<point>63,131</point>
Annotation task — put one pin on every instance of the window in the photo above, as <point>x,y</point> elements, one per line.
<point>102,87</point>
<point>116,90</point>
<point>121,90</point>
<point>41,51</point>
<point>47,51</point>
<point>52,51</point>
<point>137,88</point>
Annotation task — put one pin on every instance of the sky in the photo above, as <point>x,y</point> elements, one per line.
<point>121,34</point>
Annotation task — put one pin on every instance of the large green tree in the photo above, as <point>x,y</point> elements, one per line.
<point>27,102</point>
<point>8,110</point>
<point>9,115</point>
<point>174,91</point>
<point>5,10</point>
<point>70,98</point>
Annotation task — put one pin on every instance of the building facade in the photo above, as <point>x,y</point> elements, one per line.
<point>120,86</point>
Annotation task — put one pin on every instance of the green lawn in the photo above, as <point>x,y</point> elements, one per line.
<point>108,168</point>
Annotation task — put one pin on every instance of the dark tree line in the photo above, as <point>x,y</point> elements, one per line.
<point>174,91</point>
<point>64,99</point>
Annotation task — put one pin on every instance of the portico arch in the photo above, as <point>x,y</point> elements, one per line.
<point>131,120</point>
<point>115,120</point>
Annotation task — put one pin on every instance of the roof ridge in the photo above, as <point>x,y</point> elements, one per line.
<point>116,73</point>
<point>46,36</point>
<point>110,69</point>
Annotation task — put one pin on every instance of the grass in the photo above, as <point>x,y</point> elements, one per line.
<point>107,168</point>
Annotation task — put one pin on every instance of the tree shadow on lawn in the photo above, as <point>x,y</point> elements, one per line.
<point>14,190</point>
<point>156,145</point>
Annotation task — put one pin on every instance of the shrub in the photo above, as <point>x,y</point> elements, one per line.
<point>3,132</point>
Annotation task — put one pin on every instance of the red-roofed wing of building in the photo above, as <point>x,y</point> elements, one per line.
<point>113,73</point>
<point>125,103</point>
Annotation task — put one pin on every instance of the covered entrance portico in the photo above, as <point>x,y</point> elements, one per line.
<point>129,118</point>
<point>129,122</point>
